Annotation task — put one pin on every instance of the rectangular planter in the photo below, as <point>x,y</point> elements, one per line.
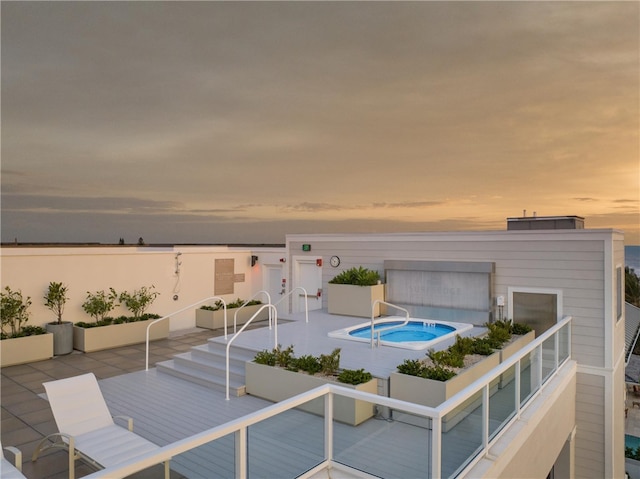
<point>430,392</point>
<point>215,319</point>
<point>276,384</point>
<point>351,300</point>
<point>116,335</point>
<point>26,350</point>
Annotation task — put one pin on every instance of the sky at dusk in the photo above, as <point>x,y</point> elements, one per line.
<point>239,122</point>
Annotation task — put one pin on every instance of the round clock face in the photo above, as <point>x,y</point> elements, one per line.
<point>334,261</point>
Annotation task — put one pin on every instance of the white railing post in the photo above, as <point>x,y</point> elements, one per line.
<point>241,453</point>
<point>436,447</point>
<point>518,387</point>
<point>485,417</point>
<point>328,426</point>
<point>306,304</point>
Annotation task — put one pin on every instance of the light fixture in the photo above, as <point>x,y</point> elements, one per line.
<point>254,260</point>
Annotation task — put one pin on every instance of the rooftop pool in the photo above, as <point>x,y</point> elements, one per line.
<point>417,334</point>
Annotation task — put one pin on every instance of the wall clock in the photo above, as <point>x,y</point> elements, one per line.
<point>334,261</point>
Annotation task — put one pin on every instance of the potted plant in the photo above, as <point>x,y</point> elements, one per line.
<point>21,343</point>
<point>212,316</point>
<point>277,375</point>
<point>353,291</point>
<point>106,332</point>
<point>55,299</point>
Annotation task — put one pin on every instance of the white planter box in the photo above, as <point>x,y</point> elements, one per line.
<point>26,350</point>
<point>351,300</point>
<point>116,335</point>
<point>430,392</point>
<point>215,319</point>
<point>276,384</point>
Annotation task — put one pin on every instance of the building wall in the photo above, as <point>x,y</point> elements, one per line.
<point>580,264</point>
<point>127,269</point>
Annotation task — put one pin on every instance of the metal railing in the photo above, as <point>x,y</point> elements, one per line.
<point>218,298</point>
<point>235,315</point>
<point>373,307</point>
<point>272,309</point>
<point>529,371</point>
<point>306,303</point>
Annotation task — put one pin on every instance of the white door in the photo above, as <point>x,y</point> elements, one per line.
<point>307,274</point>
<point>273,275</point>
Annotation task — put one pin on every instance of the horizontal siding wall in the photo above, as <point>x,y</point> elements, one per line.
<point>590,435</point>
<point>569,262</point>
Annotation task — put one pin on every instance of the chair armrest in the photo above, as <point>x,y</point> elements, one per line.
<point>128,419</point>
<point>17,456</point>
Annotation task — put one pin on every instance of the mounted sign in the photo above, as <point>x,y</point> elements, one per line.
<point>306,247</point>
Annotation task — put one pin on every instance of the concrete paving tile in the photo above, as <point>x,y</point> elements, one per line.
<point>20,436</point>
<point>28,406</point>
<point>12,371</point>
<point>46,428</point>
<point>11,399</point>
<point>38,417</point>
<point>106,371</point>
<point>11,423</point>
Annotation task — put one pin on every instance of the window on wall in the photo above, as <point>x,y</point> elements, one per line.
<point>619,292</point>
<point>540,309</point>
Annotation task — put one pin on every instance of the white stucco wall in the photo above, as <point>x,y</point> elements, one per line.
<point>85,269</point>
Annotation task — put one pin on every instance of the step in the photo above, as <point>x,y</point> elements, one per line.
<point>213,366</point>
<point>202,377</point>
<point>216,347</point>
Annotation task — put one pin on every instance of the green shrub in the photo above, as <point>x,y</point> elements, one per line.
<point>265,357</point>
<point>354,376</point>
<point>412,367</point>
<point>483,347</point>
<point>308,363</point>
<point>437,373</point>
<point>329,363</point>
<point>357,276</point>
<point>235,304</point>
<point>99,304</point>
<point>138,301</point>
<point>462,346</point>
<point>447,357</point>
<point>520,329</point>
<point>14,312</point>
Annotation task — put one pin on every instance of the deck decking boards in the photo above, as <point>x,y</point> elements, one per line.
<point>167,408</point>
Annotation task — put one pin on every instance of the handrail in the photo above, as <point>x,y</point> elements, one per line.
<point>235,315</point>
<point>224,305</point>
<point>306,304</point>
<point>373,307</point>
<point>273,309</point>
<point>239,426</point>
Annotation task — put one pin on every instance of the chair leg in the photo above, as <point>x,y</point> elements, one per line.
<point>72,458</point>
<point>167,469</point>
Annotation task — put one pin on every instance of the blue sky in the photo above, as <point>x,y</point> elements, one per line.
<point>214,122</point>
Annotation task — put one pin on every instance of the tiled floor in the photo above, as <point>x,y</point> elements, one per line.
<point>27,418</point>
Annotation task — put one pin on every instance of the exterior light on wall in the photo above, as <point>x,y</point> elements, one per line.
<point>254,260</point>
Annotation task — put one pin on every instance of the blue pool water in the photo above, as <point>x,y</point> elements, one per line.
<point>631,441</point>
<point>413,331</point>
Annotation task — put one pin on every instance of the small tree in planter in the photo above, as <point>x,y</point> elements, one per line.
<point>138,301</point>
<point>23,343</point>
<point>14,313</point>
<point>357,276</point>
<point>55,299</point>
<point>99,304</point>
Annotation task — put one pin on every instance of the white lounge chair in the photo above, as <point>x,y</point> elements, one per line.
<point>86,427</point>
<point>8,470</point>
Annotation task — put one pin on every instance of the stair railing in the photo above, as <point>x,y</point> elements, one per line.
<point>379,331</point>
<point>306,305</point>
<point>272,310</point>
<point>218,298</point>
<point>235,315</point>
